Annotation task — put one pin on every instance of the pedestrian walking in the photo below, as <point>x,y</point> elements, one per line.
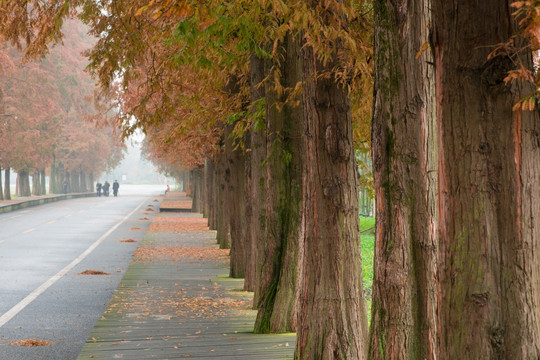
<point>115,187</point>
<point>98,188</point>
<point>106,187</point>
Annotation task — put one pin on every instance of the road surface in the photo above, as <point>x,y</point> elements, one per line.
<point>44,249</point>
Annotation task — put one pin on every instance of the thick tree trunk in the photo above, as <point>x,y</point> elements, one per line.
<point>278,249</point>
<point>207,191</point>
<point>82,180</point>
<point>210,191</point>
<point>489,202</point>
<point>185,185</point>
<point>36,183</point>
<point>197,187</point>
<point>223,235</point>
<point>254,177</point>
<point>91,182</point>
<point>236,207</point>
<point>43,179</point>
<point>332,321</point>
<point>52,179</point>
<point>7,187</point>
<point>1,186</point>
<point>59,176</point>
<point>404,310</point>
<point>23,184</point>
<point>74,183</point>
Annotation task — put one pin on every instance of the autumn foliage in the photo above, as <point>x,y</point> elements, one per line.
<point>48,116</point>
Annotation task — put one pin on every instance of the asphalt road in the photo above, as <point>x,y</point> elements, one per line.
<point>42,251</point>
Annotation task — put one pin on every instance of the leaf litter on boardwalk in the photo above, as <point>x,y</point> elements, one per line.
<point>178,224</point>
<point>150,254</point>
<point>165,303</point>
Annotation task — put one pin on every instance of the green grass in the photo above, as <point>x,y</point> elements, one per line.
<point>367,241</point>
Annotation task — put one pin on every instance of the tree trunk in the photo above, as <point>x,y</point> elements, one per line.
<point>185,180</point>
<point>210,191</point>
<point>42,185</point>
<point>82,180</point>
<point>223,235</point>
<point>332,322</point>
<point>196,189</point>
<point>404,310</point>
<point>236,205</point>
<point>254,176</point>
<point>36,184</point>
<point>489,293</point>
<point>7,188</point>
<point>207,192</point>
<point>23,182</point>
<point>91,182</point>
<point>59,176</point>
<point>52,178</point>
<point>74,183</point>
<point>1,186</point>
<point>278,250</point>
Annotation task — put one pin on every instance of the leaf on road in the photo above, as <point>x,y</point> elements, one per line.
<point>31,343</point>
<point>93,272</point>
<point>127,241</point>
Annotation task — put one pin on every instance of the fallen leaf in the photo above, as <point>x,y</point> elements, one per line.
<point>93,272</point>
<point>31,343</point>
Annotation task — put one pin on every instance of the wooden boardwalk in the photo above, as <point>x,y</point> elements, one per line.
<point>176,301</point>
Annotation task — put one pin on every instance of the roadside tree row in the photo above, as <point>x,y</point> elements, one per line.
<point>269,102</point>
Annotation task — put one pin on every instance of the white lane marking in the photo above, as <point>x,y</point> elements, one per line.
<point>27,231</point>
<point>43,287</point>
<point>51,222</point>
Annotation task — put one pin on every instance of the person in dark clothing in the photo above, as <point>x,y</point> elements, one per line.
<point>98,188</point>
<point>65,186</point>
<point>106,187</point>
<point>115,187</point>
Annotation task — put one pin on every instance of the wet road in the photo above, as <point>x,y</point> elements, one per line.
<point>42,251</point>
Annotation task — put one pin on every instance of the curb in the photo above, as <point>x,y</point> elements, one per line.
<point>41,201</point>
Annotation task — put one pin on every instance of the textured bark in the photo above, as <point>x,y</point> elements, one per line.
<point>489,299</point>
<point>82,180</point>
<point>249,255</point>
<point>74,182</point>
<point>36,184</point>
<point>236,209</point>
<point>196,176</point>
<point>278,249</point>
<point>7,189</point>
<point>184,181</point>
<point>43,186</point>
<point>1,186</point>
<point>207,191</point>
<point>223,235</point>
<point>210,191</point>
<point>332,321</point>
<point>404,310</point>
<point>23,184</point>
<point>52,178</point>
<point>256,178</point>
<point>91,182</point>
